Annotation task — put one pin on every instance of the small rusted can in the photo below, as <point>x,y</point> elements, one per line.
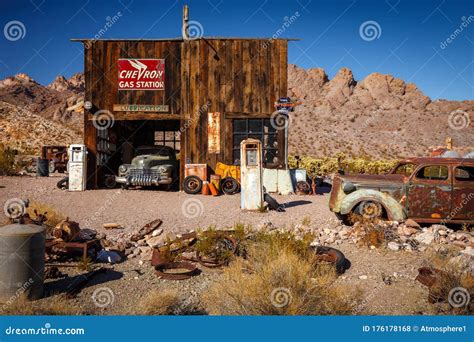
<point>22,248</point>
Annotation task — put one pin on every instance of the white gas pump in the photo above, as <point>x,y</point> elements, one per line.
<point>77,167</point>
<point>251,196</point>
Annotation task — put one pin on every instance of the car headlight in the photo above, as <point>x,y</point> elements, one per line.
<point>162,169</point>
<point>123,168</point>
<point>348,187</point>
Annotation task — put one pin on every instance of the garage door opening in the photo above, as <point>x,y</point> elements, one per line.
<point>129,139</point>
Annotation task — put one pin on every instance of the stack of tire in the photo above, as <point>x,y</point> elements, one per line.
<point>193,185</point>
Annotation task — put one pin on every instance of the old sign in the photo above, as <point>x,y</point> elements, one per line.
<point>141,108</point>
<point>141,74</point>
<point>213,132</point>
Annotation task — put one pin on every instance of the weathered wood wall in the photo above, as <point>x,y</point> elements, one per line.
<point>240,78</point>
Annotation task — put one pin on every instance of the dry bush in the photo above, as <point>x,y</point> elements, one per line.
<point>57,305</point>
<point>278,278</point>
<point>160,302</point>
<point>451,274</point>
<point>7,161</point>
<point>53,215</point>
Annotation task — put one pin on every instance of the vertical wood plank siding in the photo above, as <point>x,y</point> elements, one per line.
<point>239,77</point>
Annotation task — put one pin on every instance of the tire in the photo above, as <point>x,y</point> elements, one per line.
<point>110,182</point>
<point>63,184</point>
<point>303,187</point>
<point>371,210</point>
<point>51,167</point>
<point>229,186</point>
<point>192,185</point>
<point>334,256</point>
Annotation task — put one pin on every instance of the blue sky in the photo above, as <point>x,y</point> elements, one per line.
<point>407,39</point>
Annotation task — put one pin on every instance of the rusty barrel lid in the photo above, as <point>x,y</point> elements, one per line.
<point>17,229</point>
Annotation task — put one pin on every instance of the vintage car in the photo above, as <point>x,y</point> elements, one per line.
<point>427,190</point>
<point>151,166</point>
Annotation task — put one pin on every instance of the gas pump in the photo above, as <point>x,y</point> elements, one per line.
<point>77,167</point>
<point>251,196</point>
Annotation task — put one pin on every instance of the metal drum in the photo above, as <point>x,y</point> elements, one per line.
<point>42,167</point>
<point>21,261</point>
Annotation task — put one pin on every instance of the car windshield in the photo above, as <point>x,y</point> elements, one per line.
<point>155,150</point>
<point>404,169</point>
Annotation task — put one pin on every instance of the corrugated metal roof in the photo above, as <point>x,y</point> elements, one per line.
<point>177,39</point>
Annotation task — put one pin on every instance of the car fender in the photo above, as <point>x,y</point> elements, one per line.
<point>393,209</point>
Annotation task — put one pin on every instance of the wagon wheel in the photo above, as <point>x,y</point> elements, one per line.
<point>229,186</point>
<point>303,187</point>
<point>370,210</point>
<point>192,185</point>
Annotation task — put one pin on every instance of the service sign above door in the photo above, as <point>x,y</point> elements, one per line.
<point>141,74</point>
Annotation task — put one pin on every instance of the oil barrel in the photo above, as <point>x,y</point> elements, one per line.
<point>22,248</point>
<point>43,167</point>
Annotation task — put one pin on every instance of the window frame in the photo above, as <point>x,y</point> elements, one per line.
<point>264,122</point>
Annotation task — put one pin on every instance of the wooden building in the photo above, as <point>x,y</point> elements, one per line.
<point>212,94</point>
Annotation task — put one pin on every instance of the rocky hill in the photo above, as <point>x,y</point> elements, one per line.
<point>380,116</point>
<point>26,132</point>
<point>32,115</point>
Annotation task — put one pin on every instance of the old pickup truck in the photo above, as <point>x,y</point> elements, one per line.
<point>427,190</point>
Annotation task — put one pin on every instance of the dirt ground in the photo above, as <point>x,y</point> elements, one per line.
<point>132,279</point>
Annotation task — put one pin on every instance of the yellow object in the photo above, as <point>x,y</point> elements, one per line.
<point>225,170</point>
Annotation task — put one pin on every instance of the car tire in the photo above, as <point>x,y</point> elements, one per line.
<point>110,182</point>
<point>63,184</point>
<point>229,186</point>
<point>371,210</point>
<point>192,185</point>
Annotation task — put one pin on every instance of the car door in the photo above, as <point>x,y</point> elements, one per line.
<point>430,192</point>
<point>463,192</point>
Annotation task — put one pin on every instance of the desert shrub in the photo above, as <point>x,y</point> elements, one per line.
<point>159,302</point>
<point>278,277</point>
<point>7,161</point>
<point>56,305</point>
<point>450,275</point>
<point>53,215</point>
<point>329,165</point>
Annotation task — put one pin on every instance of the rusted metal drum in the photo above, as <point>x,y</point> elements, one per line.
<point>21,261</point>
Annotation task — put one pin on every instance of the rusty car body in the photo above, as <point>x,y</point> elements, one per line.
<point>427,190</point>
<point>57,157</point>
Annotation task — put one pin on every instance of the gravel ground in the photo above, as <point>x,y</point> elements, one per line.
<point>131,280</point>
